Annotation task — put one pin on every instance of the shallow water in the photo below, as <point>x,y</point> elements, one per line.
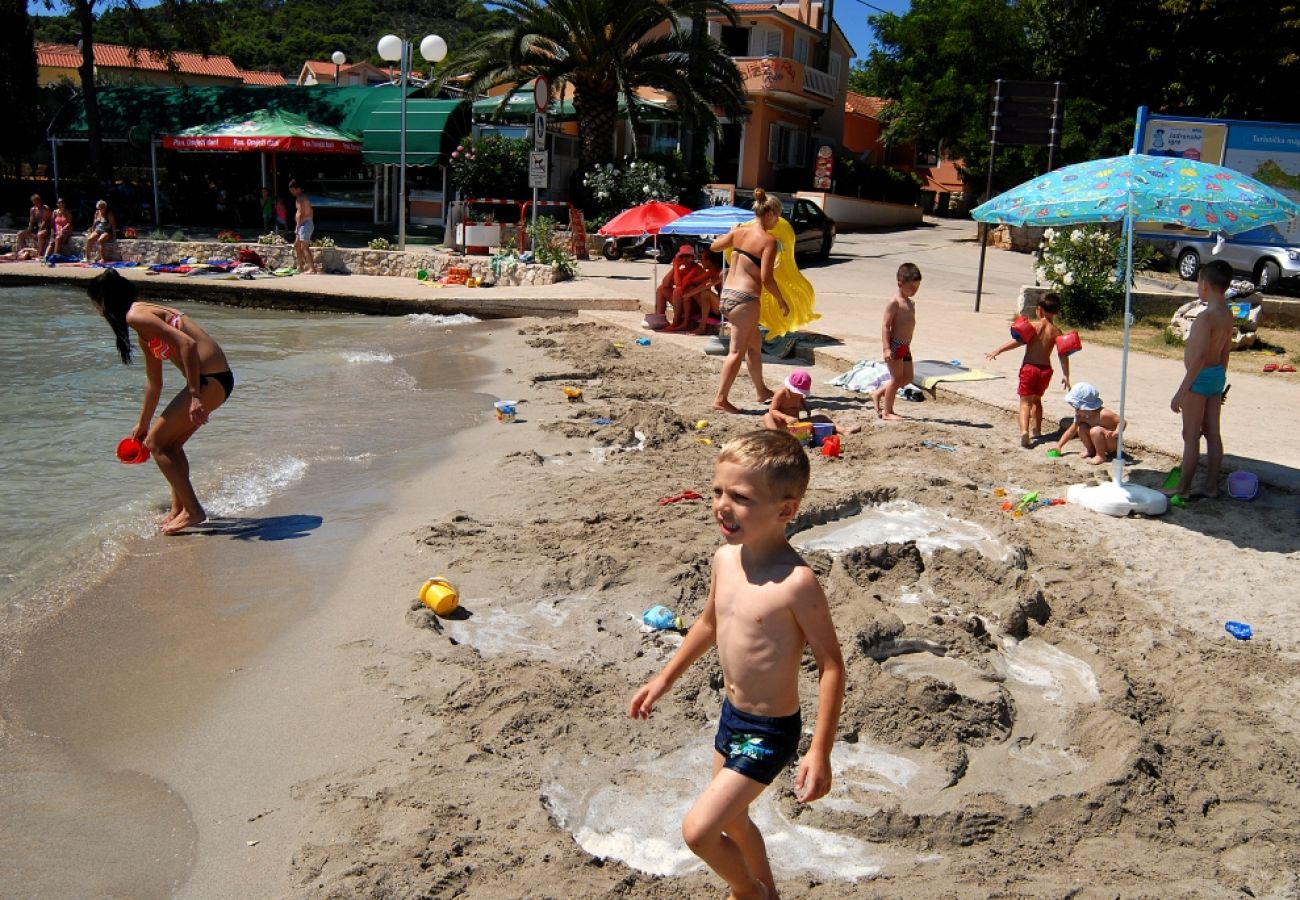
<point>313,392</point>
<point>896,522</point>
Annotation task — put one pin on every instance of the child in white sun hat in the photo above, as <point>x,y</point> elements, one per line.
<point>1097,427</point>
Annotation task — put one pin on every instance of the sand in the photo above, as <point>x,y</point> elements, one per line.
<point>1042,706</point>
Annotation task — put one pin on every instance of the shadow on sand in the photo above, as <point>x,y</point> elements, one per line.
<point>269,528</point>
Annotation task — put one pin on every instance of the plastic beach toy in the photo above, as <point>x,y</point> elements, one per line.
<point>643,341</point>
<point>821,431</point>
<point>573,393</point>
<point>802,431</point>
<point>661,618</point>
<point>131,451</point>
<point>1053,453</point>
<point>1068,343</point>
<point>1243,485</point>
<point>505,410</point>
<point>831,446</point>
<point>1240,630</point>
<point>439,595</point>
<point>1022,330</point>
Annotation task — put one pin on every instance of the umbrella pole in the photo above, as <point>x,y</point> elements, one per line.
<point>1128,320</point>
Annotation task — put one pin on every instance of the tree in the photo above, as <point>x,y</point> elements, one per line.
<point>162,30</point>
<point>606,49</point>
<point>18,94</point>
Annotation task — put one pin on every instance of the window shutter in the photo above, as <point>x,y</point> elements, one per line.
<point>715,30</point>
<point>801,49</point>
<point>684,24</point>
<point>774,143</point>
<point>772,43</point>
<point>835,67</point>
<point>801,148</point>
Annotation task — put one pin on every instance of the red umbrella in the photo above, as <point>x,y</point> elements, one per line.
<point>647,218</point>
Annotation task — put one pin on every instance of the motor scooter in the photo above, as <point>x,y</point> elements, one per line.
<point>637,246</point>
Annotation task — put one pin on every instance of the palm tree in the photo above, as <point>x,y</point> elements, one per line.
<point>604,48</point>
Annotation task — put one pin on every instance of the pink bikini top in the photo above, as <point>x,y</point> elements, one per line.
<point>160,348</point>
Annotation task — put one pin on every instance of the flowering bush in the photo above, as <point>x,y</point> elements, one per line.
<point>616,188</point>
<point>272,240</point>
<point>380,244</point>
<point>1086,266</point>
<point>492,166</point>
<point>323,243</point>
<point>130,233</point>
<point>228,237</point>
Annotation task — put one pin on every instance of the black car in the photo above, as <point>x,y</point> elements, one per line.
<point>814,231</point>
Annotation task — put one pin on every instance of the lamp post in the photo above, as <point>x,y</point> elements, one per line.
<point>395,49</point>
<point>338,59</point>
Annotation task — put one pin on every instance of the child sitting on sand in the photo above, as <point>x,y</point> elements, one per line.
<point>1036,369</point>
<point>896,340</point>
<point>764,606</point>
<point>668,290</point>
<point>788,401</point>
<point>695,298</point>
<point>1097,427</point>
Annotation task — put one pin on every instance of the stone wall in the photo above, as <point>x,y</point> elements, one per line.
<point>434,261</point>
<point>1278,312</point>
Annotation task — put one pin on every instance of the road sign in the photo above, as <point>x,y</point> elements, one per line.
<point>539,169</point>
<point>541,93</point>
<point>539,131</point>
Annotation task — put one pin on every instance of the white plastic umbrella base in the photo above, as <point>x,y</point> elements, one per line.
<point>1118,499</point>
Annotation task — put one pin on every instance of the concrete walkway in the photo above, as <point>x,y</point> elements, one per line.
<point>1260,421</point>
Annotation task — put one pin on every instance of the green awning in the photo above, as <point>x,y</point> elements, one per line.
<point>520,108</point>
<point>433,129</point>
<point>141,112</point>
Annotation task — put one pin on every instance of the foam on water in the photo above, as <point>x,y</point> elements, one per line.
<point>367,356</point>
<point>635,816</point>
<point>430,320</point>
<point>248,490</point>
<point>899,521</point>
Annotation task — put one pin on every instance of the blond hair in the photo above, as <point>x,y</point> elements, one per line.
<point>777,455</point>
<point>764,203</point>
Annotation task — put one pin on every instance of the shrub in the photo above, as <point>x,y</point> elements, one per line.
<point>179,236</point>
<point>614,188</point>
<point>550,251</point>
<point>130,234</point>
<point>272,240</point>
<point>1086,265</point>
<point>380,244</point>
<point>323,243</point>
<point>158,235</point>
<point>492,166</point>
<point>228,237</point>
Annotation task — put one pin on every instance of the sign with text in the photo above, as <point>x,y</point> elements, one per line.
<point>539,131</point>
<point>539,169</point>
<point>1026,112</point>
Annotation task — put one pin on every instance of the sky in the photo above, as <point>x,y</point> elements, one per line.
<point>851,15</point>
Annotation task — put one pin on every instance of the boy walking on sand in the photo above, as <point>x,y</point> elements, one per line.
<point>764,605</point>
<point>304,225</point>
<point>1200,394</point>
<point>1036,369</point>
<point>896,340</point>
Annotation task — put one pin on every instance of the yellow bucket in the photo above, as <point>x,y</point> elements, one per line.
<point>439,595</point>
<point>802,431</point>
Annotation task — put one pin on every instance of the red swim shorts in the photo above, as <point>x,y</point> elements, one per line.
<point>1034,380</point>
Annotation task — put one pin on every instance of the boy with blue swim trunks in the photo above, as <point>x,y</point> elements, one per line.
<point>1200,395</point>
<point>764,607</point>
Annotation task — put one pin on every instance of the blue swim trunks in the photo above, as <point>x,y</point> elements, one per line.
<point>758,747</point>
<point>1210,381</point>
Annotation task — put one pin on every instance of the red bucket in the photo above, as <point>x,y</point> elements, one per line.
<point>831,446</point>
<point>1022,330</point>
<point>1068,343</point>
<point>131,451</point>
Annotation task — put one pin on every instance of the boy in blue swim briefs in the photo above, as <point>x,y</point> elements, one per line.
<point>764,606</point>
<point>1200,395</point>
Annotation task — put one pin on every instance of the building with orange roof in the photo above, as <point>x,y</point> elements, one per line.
<point>941,177</point>
<point>118,65</point>
<point>316,71</point>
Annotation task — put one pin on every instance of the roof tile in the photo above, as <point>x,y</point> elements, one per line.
<point>864,105</point>
<point>115,56</point>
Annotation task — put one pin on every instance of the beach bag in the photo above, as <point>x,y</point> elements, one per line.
<point>252,257</point>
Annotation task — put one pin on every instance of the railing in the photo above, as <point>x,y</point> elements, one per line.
<point>818,82</point>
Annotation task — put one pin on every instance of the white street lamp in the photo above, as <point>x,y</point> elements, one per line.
<point>395,49</point>
<point>338,59</point>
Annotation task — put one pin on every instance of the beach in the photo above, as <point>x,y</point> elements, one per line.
<point>1042,705</point>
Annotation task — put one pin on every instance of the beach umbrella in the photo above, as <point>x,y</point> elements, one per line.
<point>265,131</point>
<point>1138,188</point>
<point>709,222</point>
<point>647,218</point>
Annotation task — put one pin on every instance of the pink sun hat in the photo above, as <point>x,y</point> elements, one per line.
<point>800,382</point>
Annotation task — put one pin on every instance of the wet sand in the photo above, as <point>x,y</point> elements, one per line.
<point>1040,706</point>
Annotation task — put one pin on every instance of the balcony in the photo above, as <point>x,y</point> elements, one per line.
<point>787,79</point>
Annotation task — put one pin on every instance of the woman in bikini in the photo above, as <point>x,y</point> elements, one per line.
<point>164,333</point>
<point>62,228</point>
<point>751,271</point>
<point>102,230</point>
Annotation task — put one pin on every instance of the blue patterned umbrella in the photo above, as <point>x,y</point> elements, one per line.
<point>1140,188</point>
<point>710,221</point>
<point>1160,189</point>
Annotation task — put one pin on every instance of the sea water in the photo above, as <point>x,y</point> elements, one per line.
<point>337,398</point>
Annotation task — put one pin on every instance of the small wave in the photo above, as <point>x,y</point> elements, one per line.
<point>365,356</point>
<point>429,320</point>
<point>245,491</point>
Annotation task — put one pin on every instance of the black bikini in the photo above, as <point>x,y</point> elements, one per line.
<point>756,260</point>
<point>226,379</point>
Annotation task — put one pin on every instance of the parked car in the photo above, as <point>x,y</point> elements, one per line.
<point>1266,260</point>
<point>814,231</point>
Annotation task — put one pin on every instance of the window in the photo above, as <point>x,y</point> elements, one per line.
<point>734,40</point>
<point>801,48</point>
<point>764,42</point>
<point>785,145</point>
<point>834,68</point>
